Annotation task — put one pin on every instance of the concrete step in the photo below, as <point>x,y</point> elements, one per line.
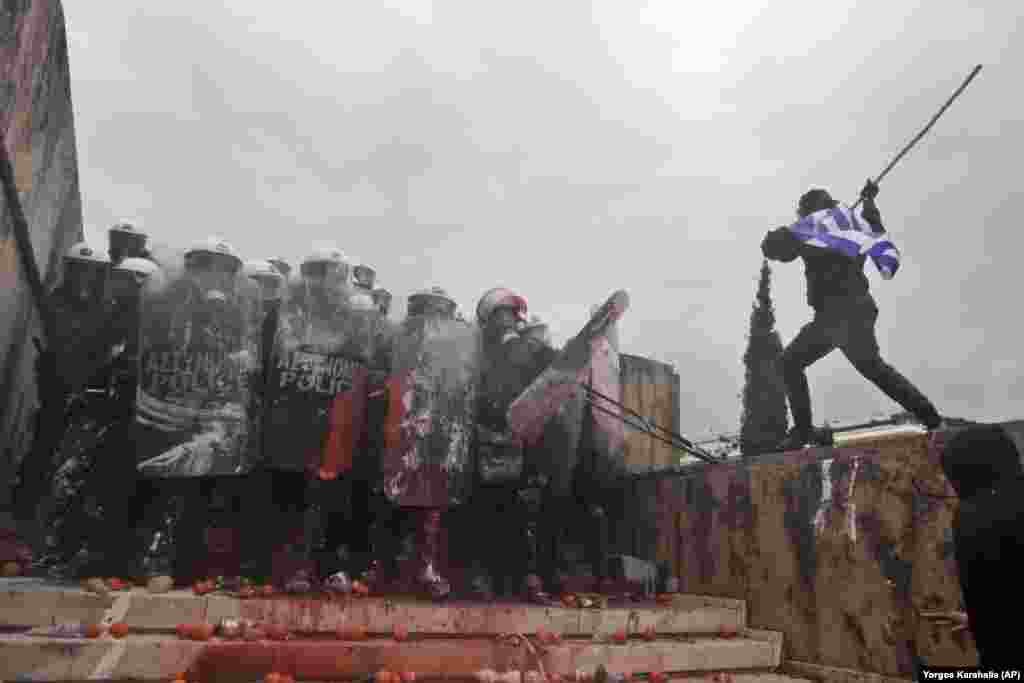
<point>26,603</point>
<point>153,657</point>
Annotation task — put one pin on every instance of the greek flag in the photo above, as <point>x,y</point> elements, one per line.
<point>846,231</point>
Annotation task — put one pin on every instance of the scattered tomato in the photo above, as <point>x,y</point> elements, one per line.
<point>401,632</point>
<point>548,637</point>
<point>119,630</point>
<point>407,677</point>
<point>554,678</point>
<point>202,631</point>
<point>727,633</point>
<point>93,631</point>
<point>115,584</point>
<point>183,630</point>
<point>650,633</point>
<point>619,636</point>
<point>266,590</point>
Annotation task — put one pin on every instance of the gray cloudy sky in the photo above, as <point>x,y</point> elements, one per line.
<point>572,148</point>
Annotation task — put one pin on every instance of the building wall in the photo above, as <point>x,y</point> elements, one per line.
<point>36,120</point>
<point>837,548</point>
<point>651,389</point>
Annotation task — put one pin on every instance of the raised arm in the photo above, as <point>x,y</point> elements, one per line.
<point>870,210</point>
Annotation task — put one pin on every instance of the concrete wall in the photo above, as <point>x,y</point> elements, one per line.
<point>36,120</point>
<point>837,548</point>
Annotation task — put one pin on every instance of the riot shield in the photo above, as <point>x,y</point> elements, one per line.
<point>431,394</point>
<point>605,428</point>
<point>197,365</point>
<point>510,368</point>
<point>317,386</point>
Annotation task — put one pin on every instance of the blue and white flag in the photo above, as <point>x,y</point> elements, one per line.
<point>847,232</point>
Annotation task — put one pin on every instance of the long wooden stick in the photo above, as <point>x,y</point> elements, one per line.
<point>931,123</point>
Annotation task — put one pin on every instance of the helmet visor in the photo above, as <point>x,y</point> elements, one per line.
<point>212,263</point>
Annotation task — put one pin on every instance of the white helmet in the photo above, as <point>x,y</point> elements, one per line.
<point>214,245</point>
<point>259,269</point>
<point>127,228</point>
<point>496,298</point>
<point>417,301</point>
<point>138,266</point>
<point>83,253</point>
<point>326,255</point>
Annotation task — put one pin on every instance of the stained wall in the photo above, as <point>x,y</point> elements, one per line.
<point>37,123</point>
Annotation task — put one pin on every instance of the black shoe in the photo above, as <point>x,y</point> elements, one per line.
<point>795,440</point>
<point>822,437</point>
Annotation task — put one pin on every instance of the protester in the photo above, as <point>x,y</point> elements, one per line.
<point>984,467</point>
<point>834,242</point>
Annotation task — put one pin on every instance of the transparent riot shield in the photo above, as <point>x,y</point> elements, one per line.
<point>431,393</point>
<point>198,360</point>
<point>317,386</point>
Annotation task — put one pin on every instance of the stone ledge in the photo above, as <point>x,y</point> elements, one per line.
<point>689,614</point>
<point>831,674</point>
<point>152,657</point>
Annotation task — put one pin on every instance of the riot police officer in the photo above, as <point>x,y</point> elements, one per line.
<point>193,427</point>
<point>531,482</point>
<point>65,366</point>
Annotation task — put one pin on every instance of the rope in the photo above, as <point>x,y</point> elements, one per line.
<point>675,440</point>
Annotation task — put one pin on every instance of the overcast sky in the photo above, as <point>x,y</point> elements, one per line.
<point>568,149</point>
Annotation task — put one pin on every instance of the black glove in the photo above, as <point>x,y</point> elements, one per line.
<point>870,190</point>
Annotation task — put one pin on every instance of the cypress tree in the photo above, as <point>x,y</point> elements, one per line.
<point>765,418</point>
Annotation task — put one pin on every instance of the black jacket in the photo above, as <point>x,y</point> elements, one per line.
<point>983,465</point>
<point>829,274</point>
<point>988,533</point>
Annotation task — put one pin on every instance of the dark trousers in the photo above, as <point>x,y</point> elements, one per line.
<point>847,324</point>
